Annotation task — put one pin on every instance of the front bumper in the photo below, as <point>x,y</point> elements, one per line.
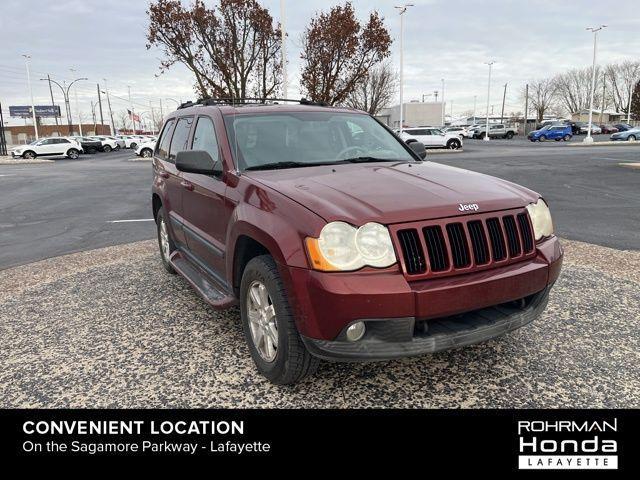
<point>388,339</point>
<point>325,304</point>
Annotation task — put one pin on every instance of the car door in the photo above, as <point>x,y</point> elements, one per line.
<point>46,147</point>
<point>437,138</point>
<point>167,178</point>
<point>204,203</point>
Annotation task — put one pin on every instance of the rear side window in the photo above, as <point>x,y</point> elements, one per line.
<point>165,138</point>
<point>180,137</point>
<point>204,137</point>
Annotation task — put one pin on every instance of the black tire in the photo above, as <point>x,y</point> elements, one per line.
<point>453,144</point>
<point>73,154</point>
<point>160,218</point>
<point>542,138</point>
<point>482,135</point>
<point>631,138</point>
<point>107,148</point>
<point>566,138</point>
<point>146,153</point>
<point>292,362</point>
<point>29,154</point>
<point>509,135</point>
<point>133,145</point>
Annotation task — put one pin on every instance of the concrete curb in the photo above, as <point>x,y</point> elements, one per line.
<point>443,150</point>
<point>604,144</point>
<point>23,161</point>
<point>139,159</point>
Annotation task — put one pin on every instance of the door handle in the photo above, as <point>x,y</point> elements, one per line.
<point>187,185</point>
<point>163,174</point>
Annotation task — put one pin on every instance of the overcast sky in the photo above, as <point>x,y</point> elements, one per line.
<point>448,39</point>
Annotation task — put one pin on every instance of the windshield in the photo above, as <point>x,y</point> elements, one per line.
<point>307,138</point>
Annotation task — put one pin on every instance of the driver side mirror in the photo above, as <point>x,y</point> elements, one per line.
<point>418,148</point>
<point>197,161</point>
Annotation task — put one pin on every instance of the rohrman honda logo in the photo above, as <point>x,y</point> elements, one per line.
<point>567,445</point>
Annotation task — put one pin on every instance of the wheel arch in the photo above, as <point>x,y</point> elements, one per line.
<point>156,203</point>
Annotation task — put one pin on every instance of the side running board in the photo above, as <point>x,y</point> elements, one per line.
<point>209,288</point>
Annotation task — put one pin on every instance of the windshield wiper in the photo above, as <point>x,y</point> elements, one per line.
<point>371,159</point>
<point>288,164</point>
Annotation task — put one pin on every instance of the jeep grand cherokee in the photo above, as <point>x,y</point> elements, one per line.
<point>338,240</point>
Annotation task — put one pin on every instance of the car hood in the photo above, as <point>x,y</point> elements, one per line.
<point>392,193</point>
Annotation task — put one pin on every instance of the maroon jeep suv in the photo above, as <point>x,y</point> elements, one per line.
<point>338,240</point>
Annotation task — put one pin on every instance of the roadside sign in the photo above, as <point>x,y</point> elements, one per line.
<point>24,111</point>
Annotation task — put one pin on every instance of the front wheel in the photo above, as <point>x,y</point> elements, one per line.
<point>146,153</point>
<point>631,138</point>
<point>107,148</point>
<point>133,145</point>
<point>73,154</point>
<point>28,155</point>
<point>453,144</point>
<point>542,138</point>
<point>269,326</point>
<point>164,241</point>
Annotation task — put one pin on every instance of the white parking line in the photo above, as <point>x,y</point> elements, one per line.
<point>132,220</point>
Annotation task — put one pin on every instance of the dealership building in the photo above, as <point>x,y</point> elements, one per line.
<point>415,114</point>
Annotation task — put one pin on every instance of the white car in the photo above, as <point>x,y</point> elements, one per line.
<point>107,143</point>
<point>460,131</point>
<point>49,147</point>
<point>130,141</point>
<point>595,129</point>
<point>146,149</point>
<point>432,137</point>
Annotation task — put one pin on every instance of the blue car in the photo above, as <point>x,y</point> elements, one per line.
<point>552,132</point>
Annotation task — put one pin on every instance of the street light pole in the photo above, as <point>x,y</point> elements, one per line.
<point>33,107</point>
<point>589,138</point>
<point>106,92</point>
<point>486,133</point>
<point>402,9</point>
<point>283,39</point>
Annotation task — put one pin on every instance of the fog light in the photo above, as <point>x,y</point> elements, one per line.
<point>355,332</point>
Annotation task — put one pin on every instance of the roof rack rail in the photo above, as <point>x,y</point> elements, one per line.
<point>248,101</point>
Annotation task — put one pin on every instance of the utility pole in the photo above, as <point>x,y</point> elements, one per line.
<point>402,9</point>
<point>106,90</point>
<point>53,103</point>
<point>283,39</point>
<point>33,107</point>
<point>604,87</point>
<point>133,118</point>
<point>475,98</point>
<point>631,85</point>
<point>100,104</point>
<point>504,97</point>
<point>526,108</point>
<point>442,102</point>
<point>435,93</point>
<point>486,134</point>
<point>589,138</point>
<point>3,140</point>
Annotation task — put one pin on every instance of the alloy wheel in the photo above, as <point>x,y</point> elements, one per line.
<point>262,321</point>
<point>164,240</point>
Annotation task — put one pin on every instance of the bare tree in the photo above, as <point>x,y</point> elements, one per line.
<point>233,50</point>
<point>541,96</point>
<point>635,102</point>
<point>621,77</point>
<point>123,120</point>
<point>338,53</point>
<point>376,92</point>
<point>572,88</point>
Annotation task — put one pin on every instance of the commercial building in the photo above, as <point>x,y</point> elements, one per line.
<point>607,116</point>
<point>22,134</point>
<point>415,114</point>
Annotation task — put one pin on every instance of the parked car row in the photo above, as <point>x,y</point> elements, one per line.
<point>73,146</point>
<point>566,130</point>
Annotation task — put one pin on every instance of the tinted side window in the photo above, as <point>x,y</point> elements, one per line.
<point>165,138</point>
<point>204,137</point>
<point>180,137</point>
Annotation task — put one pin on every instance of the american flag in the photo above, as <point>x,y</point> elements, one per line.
<point>133,116</point>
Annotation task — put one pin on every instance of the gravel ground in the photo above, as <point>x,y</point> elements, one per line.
<point>109,328</point>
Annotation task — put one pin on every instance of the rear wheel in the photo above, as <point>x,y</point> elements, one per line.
<point>146,153</point>
<point>509,135</point>
<point>133,145</point>
<point>269,326</point>
<point>73,154</point>
<point>631,138</point>
<point>453,144</point>
<point>107,148</point>
<point>164,241</point>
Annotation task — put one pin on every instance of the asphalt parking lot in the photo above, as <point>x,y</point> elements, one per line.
<point>109,328</point>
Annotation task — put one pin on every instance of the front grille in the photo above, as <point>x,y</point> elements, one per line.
<point>464,244</point>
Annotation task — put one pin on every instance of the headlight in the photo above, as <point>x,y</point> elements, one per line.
<point>341,246</point>
<point>541,219</point>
